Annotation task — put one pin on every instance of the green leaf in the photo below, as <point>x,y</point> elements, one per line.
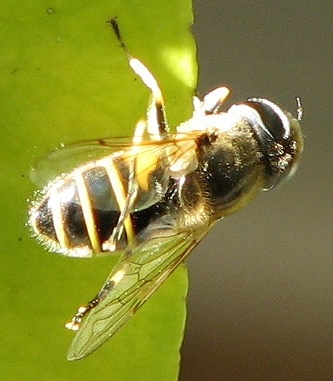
<point>63,79</point>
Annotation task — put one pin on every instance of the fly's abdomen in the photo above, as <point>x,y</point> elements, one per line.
<point>77,214</point>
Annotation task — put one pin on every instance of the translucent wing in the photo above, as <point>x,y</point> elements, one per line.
<point>65,159</point>
<point>133,280</point>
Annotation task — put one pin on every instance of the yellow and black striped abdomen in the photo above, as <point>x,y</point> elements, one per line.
<point>77,213</point>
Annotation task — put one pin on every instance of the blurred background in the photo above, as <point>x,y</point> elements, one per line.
<point>261,284</point>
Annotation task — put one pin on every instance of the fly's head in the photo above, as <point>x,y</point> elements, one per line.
<point>278,134</point>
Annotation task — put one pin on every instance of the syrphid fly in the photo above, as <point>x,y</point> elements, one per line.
<point>156,195</point>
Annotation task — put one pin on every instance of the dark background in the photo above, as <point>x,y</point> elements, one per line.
<point>261,295</point>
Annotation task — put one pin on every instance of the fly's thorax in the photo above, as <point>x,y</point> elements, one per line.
<point>230,170</point>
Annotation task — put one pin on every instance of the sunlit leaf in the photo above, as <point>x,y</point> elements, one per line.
<point>64,78</point>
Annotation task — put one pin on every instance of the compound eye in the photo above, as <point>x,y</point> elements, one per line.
<point>275,123</point>
<point>279,137</point>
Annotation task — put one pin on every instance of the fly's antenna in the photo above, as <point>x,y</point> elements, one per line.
<point>147,78</point>
<point>299,108</point>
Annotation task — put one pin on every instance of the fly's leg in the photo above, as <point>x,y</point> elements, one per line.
<point>158,127</point>
<point>82,311</point>
<point>126,203</point>
<point>158,130</point>
<point>213,101</point>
